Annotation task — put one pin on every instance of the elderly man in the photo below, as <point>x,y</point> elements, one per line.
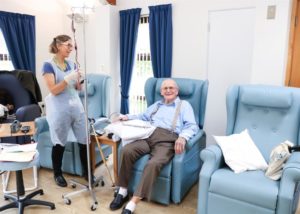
<point>175,125</point>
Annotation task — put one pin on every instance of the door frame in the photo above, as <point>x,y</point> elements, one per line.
<point>291,42</point>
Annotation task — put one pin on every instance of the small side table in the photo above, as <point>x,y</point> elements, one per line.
<point>106,141</point>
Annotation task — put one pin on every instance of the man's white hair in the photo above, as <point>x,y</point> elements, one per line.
<point>169,79</point>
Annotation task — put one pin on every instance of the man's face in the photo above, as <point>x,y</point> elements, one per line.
<point>169,90</point>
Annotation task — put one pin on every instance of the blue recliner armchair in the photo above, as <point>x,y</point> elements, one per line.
<point>177,177</point>
<point>272,115</point>
<point>98,106</point>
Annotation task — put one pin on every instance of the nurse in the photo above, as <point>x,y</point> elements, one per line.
<point>64,110</point>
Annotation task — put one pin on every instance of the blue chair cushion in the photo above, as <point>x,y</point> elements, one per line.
<point>229,184</point>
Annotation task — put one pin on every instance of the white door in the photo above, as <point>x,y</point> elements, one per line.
<point>230,48</point>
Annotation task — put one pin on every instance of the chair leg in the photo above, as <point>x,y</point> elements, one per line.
<point>21,208</point>
<point>9,206</point>
<point>31,195</point>
<point>20,203</point>
<point>5,180</point>
<point>11,197</point>
<point>39,202</point>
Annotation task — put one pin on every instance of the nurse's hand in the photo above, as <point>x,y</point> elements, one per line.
<point>74,75</point>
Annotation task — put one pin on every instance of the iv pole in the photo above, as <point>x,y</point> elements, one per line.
<point>85,187</point>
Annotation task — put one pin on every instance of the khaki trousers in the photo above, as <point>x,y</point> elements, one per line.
<point>160,146</point>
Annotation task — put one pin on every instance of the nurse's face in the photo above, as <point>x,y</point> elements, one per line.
<point>65,48</point>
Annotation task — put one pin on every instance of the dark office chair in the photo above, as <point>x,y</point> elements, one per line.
<point>25,93</point>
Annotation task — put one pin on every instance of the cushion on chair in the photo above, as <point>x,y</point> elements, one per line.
<point>275,98</point>
<point>240,152</point>
<point>225,182</point>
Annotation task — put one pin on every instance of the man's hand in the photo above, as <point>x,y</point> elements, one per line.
<point>179,145</point>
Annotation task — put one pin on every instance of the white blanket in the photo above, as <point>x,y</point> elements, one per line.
<point>130,130</point>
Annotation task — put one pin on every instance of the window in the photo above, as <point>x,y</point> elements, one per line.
<point>5,60</point>
<point>142,69</point>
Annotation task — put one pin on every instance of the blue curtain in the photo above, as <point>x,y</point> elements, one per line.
<point>19,34</point>
<point>129,22</point>
<point>161,36</point>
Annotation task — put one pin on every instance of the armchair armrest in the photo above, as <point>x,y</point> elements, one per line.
<point>288,184</point>
<point>213,159</point>
<point>186,167</point>
<point>194,139</point>
<point>41,125</point>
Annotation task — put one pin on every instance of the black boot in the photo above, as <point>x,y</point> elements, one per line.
<point>57,156</point>
<point>84,163</point>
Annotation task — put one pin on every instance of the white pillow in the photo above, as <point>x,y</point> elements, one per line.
<point>240,152</point>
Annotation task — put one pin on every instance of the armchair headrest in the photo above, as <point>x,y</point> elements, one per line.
<point>98,92</point>
<point>264,97</point>
<point>270,113</point>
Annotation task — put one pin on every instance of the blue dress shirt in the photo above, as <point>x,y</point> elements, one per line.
<point>162,115</point>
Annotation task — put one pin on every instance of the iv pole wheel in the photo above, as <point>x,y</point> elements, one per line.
<point>67,201</point>
<point>94,206</point>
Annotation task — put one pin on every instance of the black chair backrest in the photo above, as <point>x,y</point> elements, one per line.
<point>12,85</point>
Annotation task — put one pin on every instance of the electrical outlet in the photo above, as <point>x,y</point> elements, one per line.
<point>271,13</point>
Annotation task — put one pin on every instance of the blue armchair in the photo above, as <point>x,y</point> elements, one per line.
<point>271,115</point>
<point>177,177</point>
<point>98,106</point>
